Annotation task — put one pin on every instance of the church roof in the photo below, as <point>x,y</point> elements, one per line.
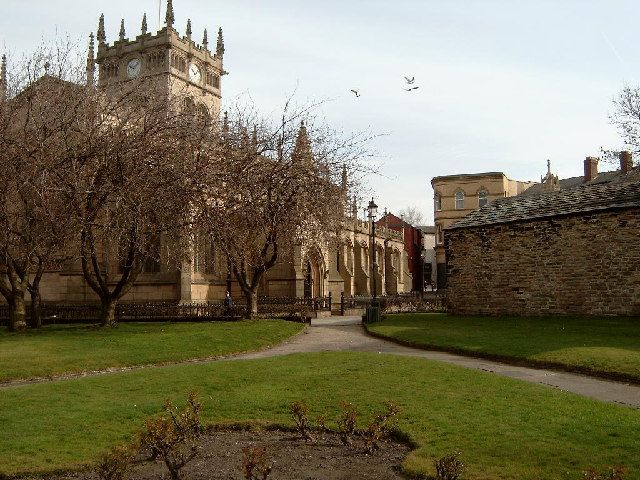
<point>621,192</point>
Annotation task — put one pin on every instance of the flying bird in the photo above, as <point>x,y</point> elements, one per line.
<point>410,80</point>
<point>357,94</point>
<point>411,88</point>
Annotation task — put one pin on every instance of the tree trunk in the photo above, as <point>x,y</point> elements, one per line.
<point>252,302</point>
<point>17,312</point>
<point>108,314</point>
<point>36,310</point>
<point>36,298</point>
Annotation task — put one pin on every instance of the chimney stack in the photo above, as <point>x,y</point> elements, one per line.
<point>626,161</point>
<point>590,168</point>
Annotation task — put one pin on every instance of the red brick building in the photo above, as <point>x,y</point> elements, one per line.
<point>412,245</point>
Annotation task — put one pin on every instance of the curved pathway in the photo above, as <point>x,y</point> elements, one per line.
<point>347,334</point>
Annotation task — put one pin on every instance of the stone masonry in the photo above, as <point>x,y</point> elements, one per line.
<point>537,262</point>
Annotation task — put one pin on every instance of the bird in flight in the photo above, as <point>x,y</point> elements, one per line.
<point>411,88</point>
<point>410,80</point>
<point>357,94</point>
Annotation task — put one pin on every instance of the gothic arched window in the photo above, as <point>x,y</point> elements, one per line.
<point>459,200</point>
<point>203,114</point>
<point>189,105</point>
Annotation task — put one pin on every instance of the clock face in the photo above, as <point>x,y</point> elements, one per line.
<point>133,68</point>
<point>194,73</point>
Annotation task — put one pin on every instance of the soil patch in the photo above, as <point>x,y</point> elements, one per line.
<point>221,457</point>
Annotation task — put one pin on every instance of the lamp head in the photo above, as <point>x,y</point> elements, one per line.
<point>372,208</point>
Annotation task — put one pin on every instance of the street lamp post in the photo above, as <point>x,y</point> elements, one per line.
<point>372,208</point>
<point>423,258</point>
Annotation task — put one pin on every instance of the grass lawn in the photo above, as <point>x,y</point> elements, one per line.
<point>608,346</point>
<point>504,428</point>
<point>59,349</point>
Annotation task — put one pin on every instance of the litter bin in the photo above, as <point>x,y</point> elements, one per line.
<point>373,313</point>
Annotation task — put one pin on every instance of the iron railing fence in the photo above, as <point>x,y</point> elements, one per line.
<point>403,302</point>
<point>268,307</point>
<point>300,309</point>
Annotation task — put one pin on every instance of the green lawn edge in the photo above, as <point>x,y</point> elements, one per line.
<point>506,429</point>
<point>60,351</point>
<point>507,359</point>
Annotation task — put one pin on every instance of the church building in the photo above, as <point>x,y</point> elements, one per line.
<point>181,65</point>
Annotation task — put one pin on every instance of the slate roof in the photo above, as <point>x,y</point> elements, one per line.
<point>620,192</point>
<point>428,229</point>
<point>573,182</point>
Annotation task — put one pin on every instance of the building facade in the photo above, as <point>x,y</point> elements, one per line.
<point>566,251</point>
<point>455,196</point>
<point>177,65</point>
<point>430,269</point>
<point>413,244</point>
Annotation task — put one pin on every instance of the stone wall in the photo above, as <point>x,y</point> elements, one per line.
<point>586,265</point>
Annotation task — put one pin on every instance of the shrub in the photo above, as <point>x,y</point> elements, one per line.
<point>300,413</point>
<point>173,436</point>
<point>380,427</point>
<point>255,465</point>
<point>610,473</point>
<point>115,464</point>
<point>347,422</point>
<point>321,423</point>
<point>449,467</point>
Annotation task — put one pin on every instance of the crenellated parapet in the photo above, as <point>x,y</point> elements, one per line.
<point>164,53</point>
<point>363,227</point>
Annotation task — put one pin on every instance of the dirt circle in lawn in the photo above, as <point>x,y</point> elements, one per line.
<point>222,456</point>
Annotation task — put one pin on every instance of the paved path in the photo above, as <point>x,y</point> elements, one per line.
<point>347,334</point>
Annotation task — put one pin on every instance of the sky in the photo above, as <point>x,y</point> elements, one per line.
<point>504,85</point>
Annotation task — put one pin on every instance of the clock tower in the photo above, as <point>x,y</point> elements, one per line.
<point>177,63</point>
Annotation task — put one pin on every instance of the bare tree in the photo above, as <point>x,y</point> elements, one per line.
<point>626,118</point>
<point>273,184</point>
<point>412,215</point>
<point>108,169</point>
<point>126,174</point>
<point>33,233</point>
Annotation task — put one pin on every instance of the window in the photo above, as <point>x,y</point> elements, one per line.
<point>203,114</point>
<point>459,200</point>
<point>209,257</point>
<point>151,262</point>
<point>482,198</point>
<point>204,258</point>
<point>189,106</point>
<point>439,235</point>
<point>437,202</point>
<point>151,265</point>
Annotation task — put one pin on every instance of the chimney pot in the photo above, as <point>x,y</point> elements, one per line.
<point>626,161</point>
<point>590,168</point>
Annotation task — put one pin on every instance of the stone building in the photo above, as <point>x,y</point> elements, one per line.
<point>314,270</point>
<point>455,196</point>
<point>561,251</point>
<point>183,67</point>
<point>180,65</point>
<point>429,257</point>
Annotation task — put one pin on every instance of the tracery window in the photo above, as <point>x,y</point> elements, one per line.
<point>459,200</point>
